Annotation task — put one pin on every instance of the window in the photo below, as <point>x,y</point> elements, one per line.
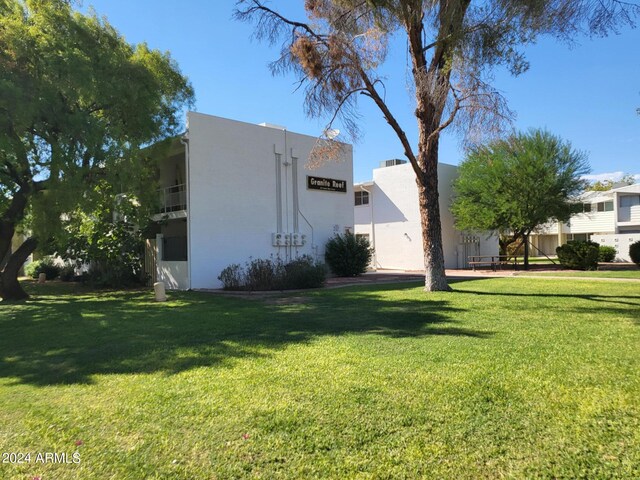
<point>174,249</point>
<point>362,198</point>
<point>583,237</point>
<point>605,206</point>
<point>581,208</point>
<point>629,200</point>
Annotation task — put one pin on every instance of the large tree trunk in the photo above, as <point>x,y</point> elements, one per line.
<point>435,278</point>
<point>10,288</point>
<point>11,262</point>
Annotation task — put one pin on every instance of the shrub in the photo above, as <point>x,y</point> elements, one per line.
<point>579,255</point>
<point>348,255</point>
<point>110,275</point>
<point>303,272</point>
<point>634,252</point>
<point>46,266</point>
<point>263,274</point>
<point>67,273</point>
<point>232,277</point>
<point>270,274</point>
<point>606,254</point>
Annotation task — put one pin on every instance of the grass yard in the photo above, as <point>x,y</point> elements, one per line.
<point>503,378</point>
<point>633,274</point>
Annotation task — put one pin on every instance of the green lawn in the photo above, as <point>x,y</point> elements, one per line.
<point>633,274</point>
<point>504,378</point>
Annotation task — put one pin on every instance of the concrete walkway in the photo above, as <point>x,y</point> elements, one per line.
<point>381,277</point>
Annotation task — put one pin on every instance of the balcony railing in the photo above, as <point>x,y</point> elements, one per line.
<point>173,199</point>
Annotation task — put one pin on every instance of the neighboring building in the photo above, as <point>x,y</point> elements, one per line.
<point>232,191</point>
<point>609,218</point>
<point>387,213</point>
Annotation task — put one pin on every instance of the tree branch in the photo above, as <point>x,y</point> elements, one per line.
<point>391,120</point>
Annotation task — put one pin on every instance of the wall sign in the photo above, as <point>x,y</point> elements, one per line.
<point>327,184</point>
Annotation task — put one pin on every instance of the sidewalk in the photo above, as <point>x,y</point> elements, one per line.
<point>399,276</point>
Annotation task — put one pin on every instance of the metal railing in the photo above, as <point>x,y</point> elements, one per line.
<point>173,199</point>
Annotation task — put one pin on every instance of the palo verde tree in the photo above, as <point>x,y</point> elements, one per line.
<point>452,48</point>
<point>517,184</point>
<point>76,103</point>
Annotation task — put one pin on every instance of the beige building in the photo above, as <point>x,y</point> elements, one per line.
<point>610,218</point>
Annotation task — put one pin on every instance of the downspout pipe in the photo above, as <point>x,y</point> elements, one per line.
<point>373,228</point>
<point>185,141</point>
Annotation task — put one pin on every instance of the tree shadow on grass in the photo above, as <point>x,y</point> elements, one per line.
<point>627,306</point>
<point>62,339</point>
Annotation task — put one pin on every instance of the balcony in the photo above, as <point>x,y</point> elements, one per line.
<point>173,202</point>
<point>173,199</point>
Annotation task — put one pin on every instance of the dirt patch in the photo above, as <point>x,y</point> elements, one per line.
<point>287,300</point>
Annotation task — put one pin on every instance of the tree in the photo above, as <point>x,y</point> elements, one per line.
<point>515,185</point>
<point>77,102</point>
<point>452,47</point>
<point>108,236</point>
<point>608,184</point>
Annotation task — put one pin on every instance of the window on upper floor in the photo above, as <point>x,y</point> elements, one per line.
<point>605,206</point>
<point>629,200</point>
<point>581,208</point>
<point>362,198</point>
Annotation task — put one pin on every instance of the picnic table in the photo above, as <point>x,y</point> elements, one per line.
<point>493,261</point>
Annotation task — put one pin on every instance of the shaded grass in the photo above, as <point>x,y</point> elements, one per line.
<point>516,378</point>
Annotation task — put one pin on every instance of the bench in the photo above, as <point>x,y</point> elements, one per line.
<point>493,261</point>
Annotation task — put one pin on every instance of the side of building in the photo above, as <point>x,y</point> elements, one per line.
<point>386,211</point>
<point>234,191</point>
<point>610,218</point>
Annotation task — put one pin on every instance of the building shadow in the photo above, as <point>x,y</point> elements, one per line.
<point>63,339</point>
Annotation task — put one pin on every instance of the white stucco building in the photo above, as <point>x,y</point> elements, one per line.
<point>232,191</point>
<point>386,212</point>
<point>609,218</point>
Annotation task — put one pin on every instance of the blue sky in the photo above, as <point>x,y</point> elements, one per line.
<point>587,93</point>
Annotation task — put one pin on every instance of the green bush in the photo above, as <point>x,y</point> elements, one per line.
<point>634,252</point>
<point>579,255</point>
<point>67,273</point>
<point>46,266</point>
<point>274,274</point>
<point>303,272</point>
<point>112,275</point>
<point>348,255</point>
<point>606,254</point>
<point>232,277</point>
<point>263,274</point>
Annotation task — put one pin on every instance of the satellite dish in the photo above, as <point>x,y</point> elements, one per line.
<point>332,133</point>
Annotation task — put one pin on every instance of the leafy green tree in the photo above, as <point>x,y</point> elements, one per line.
<point>452,47</point>
<point>109,237</point>
<point>77,102</point>
<point>605,185</point>
<point>515,185</point>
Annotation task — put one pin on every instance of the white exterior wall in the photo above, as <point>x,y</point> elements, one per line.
<point>620,242</point>
<point>592,222</point>
<point>550,228</point>
<point>173,274</point>
<point>232,184</point>
<point>396,219</point>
